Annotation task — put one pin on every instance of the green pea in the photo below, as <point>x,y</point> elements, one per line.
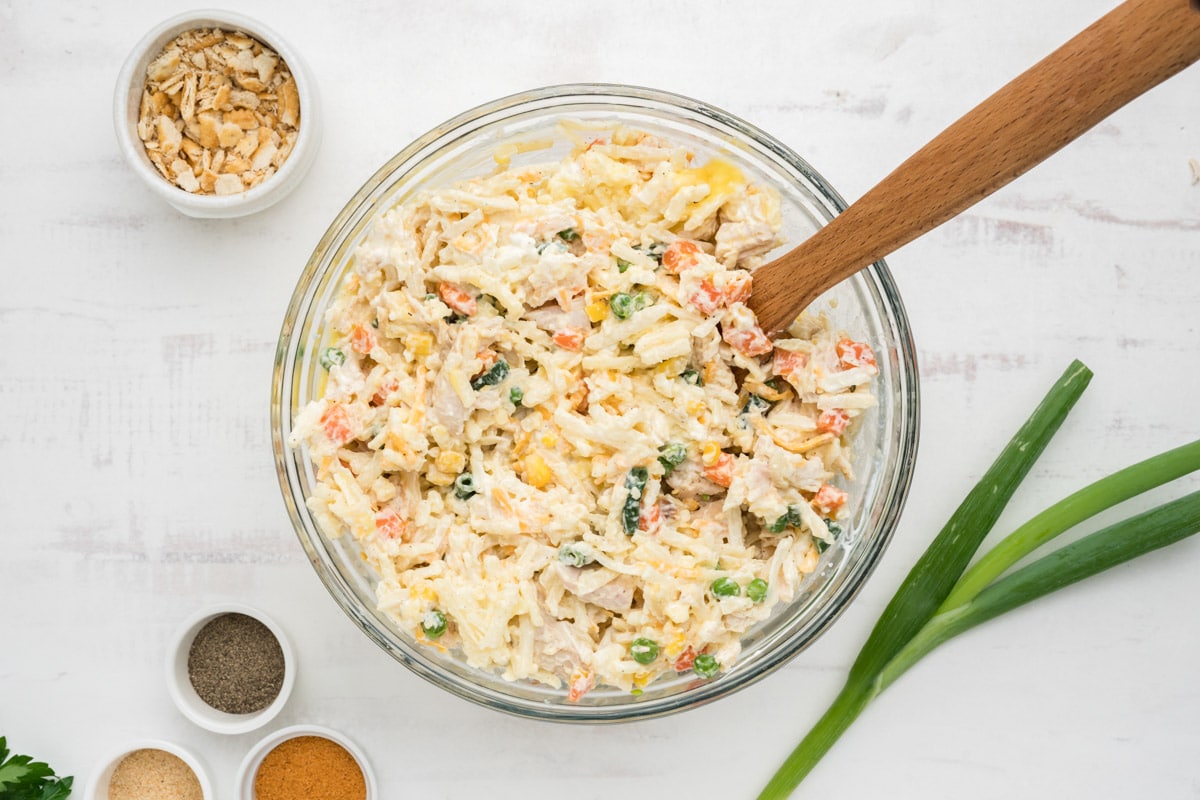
<point>705,665</point>
<point>644,651</point>
<point>433,623</point>
<point>332,356</point>
<point>464,486</point>
<point>725,587</point>
<point>623,265</point>
<point>622,305</point>
<point>515,395</point>
<point>756,590</point>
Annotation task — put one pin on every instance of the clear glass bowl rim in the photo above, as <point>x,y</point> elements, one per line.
<point>894,495</point>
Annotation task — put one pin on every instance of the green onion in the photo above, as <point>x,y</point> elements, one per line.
<point>654,250</point>
<point>791,519</point>
<point>374,322</point>
<point>568,235</point>
<point>725,587</point>
<point>937,601</point>
<point>1169,523</point>
<point>515,395</point>
<point>692,376</point>
<point>672,454</point>
<point>835,530</point>
<point>575,554</point>
<point>643,651</point>
<point>623,265</point>
<point>433,623</point>
<point>493,376</point>
<point>705,665</point>
<point>756,590</point>
<point>332,356</point>
<point>635,483</point>
<point>464,486</point>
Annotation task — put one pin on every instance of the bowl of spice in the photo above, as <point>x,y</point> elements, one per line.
<point>150,769</point>
<point>306,761</point>
<point>217,114</point>
<point>231,669</point>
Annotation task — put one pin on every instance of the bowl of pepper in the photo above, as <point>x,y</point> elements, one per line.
<point>388,532</point>
<point>231,669</point>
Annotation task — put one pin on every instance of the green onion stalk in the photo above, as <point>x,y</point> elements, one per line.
<point>940,598</point>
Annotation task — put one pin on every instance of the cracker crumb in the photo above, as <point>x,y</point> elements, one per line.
<point>219,113</point>
<point>227,183</point>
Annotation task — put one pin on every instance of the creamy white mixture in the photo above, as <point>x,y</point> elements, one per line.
<point>558,433</point>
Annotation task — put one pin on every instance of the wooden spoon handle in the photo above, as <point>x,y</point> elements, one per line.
<point>1127,52</point>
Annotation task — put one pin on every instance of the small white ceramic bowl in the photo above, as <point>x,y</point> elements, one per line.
<point>244,788</point>
<point>184,694</point>
<point>97,787</point>
<point>127,99</point>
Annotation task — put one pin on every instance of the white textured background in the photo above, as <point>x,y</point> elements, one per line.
<point>136,349</point>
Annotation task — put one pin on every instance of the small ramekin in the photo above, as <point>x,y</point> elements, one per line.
<point>97,786</point>
<point>127,99</point>
<point>184,694</point>
<point>244,788</point>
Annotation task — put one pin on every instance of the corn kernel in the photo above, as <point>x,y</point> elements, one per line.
<point>439,478</point>
<point>537,474</point>
<point>695,407</point>
<point>450,461</point>
<point>597,311</point>
<point>421,344</point>
<point>710,452</point>
<point>549,440</point>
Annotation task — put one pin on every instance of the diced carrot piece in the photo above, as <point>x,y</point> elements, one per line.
<point>581,684</point>
<point>855,354</point>
<point>362,339</point>
<point>385,391</point>
<point>685,660</point>
<point>390,524</point>
<point>706,299</point>
<point>721,473</point>
<point>487,358</point>
<point>650,517</point>
<point>833,420</point>
<point>569,338</point>
<point>738,287</point>
<point>749,341</point>
<point>335,422</point>
<point>788,363</point>
<point>457,298</point>
<point>681,255</point>
<point>829,499</point>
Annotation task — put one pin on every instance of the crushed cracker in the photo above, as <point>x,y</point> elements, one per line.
<point>219,113</point>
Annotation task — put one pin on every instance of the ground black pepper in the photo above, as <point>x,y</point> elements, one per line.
<point>236,664</point>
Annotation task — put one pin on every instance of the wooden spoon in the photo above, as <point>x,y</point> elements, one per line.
<point>1127,52</point>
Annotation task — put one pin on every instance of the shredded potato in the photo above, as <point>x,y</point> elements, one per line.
<point>554,427</point>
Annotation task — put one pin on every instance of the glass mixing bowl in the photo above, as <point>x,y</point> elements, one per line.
<point>867,307</point>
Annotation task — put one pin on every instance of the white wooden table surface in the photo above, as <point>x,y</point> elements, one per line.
<point>137,348</point>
